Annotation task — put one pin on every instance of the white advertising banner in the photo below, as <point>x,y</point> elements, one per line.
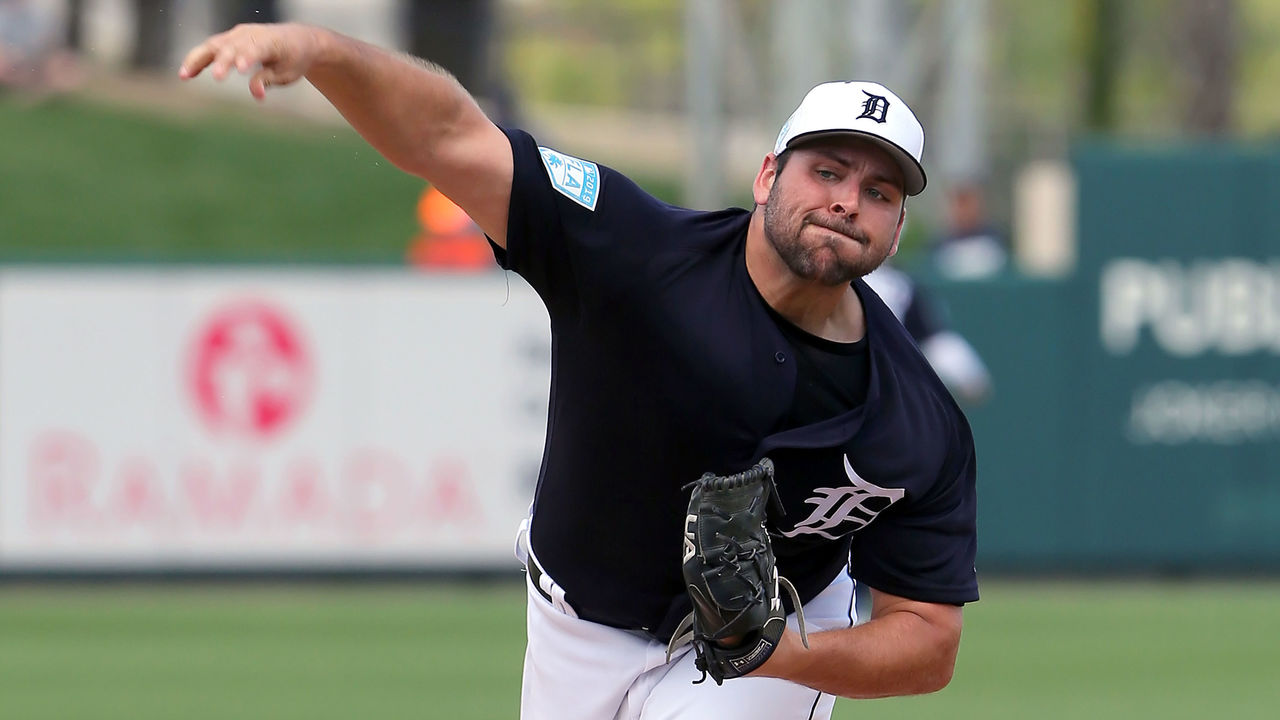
<point>204,419</point>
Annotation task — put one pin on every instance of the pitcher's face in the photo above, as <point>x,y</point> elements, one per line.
<point>834,210</point>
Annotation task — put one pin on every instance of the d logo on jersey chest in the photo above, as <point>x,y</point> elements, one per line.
<point>839,510</point>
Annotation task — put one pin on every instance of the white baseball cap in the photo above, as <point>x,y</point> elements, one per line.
<point>862,108</point>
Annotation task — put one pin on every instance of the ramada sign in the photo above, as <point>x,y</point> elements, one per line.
<point>255,481</point>
<point>250,373</point>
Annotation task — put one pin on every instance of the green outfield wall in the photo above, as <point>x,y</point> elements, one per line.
<point>1136,419</point>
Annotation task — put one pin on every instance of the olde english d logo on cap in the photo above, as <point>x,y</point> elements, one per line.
<point>874,107</point>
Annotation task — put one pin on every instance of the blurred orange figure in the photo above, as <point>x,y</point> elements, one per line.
<point>448,238</point>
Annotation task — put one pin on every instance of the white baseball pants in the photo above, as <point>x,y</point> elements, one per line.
<point>579,670</point>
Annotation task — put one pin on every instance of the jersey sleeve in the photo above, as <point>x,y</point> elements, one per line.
<point>555,208</point>
<point>534,223</point>
<point>925,550</point>
<point>580,233</point>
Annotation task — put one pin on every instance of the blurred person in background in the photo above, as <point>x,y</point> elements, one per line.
<point>33,57</point>
<point>686,341</point>
<point>948,352</point>
<point>970,248</point>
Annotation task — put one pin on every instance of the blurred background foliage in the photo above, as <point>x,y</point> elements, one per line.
<point>1141,70</point>
<point>1040,58</point>
<point>608,80</point>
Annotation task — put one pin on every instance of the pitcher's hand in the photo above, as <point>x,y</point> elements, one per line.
<point>281,54</point>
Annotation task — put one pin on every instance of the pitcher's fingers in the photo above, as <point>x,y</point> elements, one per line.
<point>196,60</point>
<point>259,83</point>
<point>226,58</point>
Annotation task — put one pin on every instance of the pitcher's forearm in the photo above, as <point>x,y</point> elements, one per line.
<point>881,659</point>
<point>907,648</point>
<point>413,112</point>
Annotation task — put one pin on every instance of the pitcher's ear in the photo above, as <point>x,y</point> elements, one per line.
<point>765,178</point>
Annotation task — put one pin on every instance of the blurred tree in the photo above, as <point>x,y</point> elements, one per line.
<point>1206,44</point>
<point>234,12</point>
<point>453,33</point>
<point>75,24</point>
<point>458,35</point>
<point>586,52</point>
<point>1102,21</point>
<point>153,38</point>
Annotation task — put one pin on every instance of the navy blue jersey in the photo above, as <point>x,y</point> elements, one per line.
<point>667,363</point>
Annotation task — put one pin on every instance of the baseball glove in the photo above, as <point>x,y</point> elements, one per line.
<point>729,571</point>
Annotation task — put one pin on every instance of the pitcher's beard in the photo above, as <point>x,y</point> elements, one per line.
<point>820,262</point>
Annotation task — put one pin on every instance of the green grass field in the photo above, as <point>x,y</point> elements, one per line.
<point>1031,650</point>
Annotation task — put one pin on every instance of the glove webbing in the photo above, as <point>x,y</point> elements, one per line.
<point>762,471</point>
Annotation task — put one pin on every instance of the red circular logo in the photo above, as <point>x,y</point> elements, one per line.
<point>250,370</point>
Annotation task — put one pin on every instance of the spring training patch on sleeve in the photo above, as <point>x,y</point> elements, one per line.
<point>576,179</point>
